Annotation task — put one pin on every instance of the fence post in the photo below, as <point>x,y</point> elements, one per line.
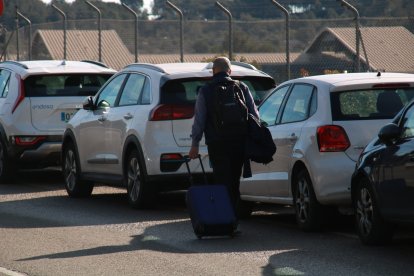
<point>64,29</point>
<point>286,12</point>
<point>357,31</point>
<point>230,28</point>
<point>3,54</point>
<point>99,29</point>
<point>30,32</point>
<point>136,29</point>
<point>181,29</point>
<point>17,35</point>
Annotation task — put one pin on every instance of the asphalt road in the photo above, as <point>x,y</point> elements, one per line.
<point>44,232</point>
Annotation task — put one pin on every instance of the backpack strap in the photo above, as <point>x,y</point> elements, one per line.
<point>240,96</point>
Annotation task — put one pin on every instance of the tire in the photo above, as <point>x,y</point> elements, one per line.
<point>308,210</point>
<point>372,229</point>
<point>7,167</point>
<point>75,186</point>
<point>138,190</point>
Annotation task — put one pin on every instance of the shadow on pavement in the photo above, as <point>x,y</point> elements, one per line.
<point>32,181</point>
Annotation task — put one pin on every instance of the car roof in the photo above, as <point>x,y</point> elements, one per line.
<point>37,67</point>
<point>348,80</point>
<point>193,69</point>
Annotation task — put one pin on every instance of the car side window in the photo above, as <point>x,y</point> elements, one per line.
<point>408,124</point>
<point>269,109</point>
<point>111,90</point>
<point>146,93</point>
<point>132,90</point>
<point>4,83</point>
<point>297,105</point>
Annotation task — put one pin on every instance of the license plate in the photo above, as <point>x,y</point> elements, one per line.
<point>66,116</point>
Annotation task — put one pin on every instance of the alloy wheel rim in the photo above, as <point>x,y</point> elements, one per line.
<point>302,200</point>
<point>364,212</point>
<point>134,182</point>
<point>70,170</point>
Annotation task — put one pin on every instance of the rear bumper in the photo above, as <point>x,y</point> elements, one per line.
<point>154,164</point>
<point>331,177</point>
<point>45,155</point>
<point>173,182</point>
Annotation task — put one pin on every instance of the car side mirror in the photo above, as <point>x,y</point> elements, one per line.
<point>389,133</point>
<point>103,104</point>
<point>88,104</point>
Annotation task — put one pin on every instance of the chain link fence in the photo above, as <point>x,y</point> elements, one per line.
<point>316,46</point>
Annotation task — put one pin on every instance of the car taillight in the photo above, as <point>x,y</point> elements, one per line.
<point>20,96</point>
<point>165,112</point>
<point>332,138</point>
<point>28,140</point>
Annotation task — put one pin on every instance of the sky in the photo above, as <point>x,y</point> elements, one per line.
<point>147,3</point>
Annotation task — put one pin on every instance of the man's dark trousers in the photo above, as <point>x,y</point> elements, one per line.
<point>227,160</point>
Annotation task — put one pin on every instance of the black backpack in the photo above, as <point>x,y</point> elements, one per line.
<point>230,113</point>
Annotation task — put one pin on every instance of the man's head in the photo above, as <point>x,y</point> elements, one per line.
<point>221,64</point>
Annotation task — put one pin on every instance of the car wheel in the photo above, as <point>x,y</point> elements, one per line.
<point>307,208</point>
<point>75,187</point>
<point>371,227</point>
<point>137,189</point>
<point>7,168</point>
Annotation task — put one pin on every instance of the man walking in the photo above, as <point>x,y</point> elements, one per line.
<point>226,152</point>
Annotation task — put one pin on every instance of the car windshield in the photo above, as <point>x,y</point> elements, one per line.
<point>369,104</point>
<point>184,91</point>
<point>64,85</point>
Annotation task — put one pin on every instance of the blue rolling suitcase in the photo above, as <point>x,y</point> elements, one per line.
<point>211,211</point>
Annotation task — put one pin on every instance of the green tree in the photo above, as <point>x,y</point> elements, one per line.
<point>135,4</point>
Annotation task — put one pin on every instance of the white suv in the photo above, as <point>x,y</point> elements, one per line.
<point>320,125</point>
<point>136,130</point>
<point>37,98</point>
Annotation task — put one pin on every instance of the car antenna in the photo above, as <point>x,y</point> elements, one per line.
<point>379,74</point>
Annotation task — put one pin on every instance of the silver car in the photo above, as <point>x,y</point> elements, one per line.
<point>320,125</point>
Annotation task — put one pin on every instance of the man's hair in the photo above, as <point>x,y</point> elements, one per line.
<point>222,64</point>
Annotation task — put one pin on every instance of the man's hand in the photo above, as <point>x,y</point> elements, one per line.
<point>193,153</point>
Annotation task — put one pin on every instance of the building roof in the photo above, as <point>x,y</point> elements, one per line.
<point>332,48</point>
<point>83,45</point>
<point>384,47</point>
<point>260,58</point>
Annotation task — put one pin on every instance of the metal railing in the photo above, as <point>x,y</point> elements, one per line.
<point>283,48</point>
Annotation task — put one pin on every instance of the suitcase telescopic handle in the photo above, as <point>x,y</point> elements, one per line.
<point>187,159</point>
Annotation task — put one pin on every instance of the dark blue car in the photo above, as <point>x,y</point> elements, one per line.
<point>383,181</point>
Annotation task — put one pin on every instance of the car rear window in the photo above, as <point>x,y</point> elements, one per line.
<point>64,85</point>
<point>184,91</point>
<point>369,104</point>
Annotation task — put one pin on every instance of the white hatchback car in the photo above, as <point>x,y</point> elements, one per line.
<point>136,130</point>
<point>320,125</point>
<point>37,98</point>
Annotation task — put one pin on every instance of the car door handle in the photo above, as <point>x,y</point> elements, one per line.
<point>128,116</point>
<point>102,119</point>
